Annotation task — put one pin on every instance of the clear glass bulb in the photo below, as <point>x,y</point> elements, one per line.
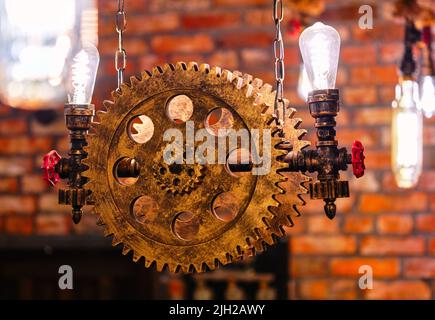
<point>427,95</point>
<point>83,74</point>
<point>304,86</point>
<point>320,49</point>
<point>407,135</point>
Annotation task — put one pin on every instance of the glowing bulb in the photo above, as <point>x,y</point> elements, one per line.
<point>407,141</point>
<point>304,86</point>
<point>427,95</point>
<point>83,74</point>
<point>320,49</point>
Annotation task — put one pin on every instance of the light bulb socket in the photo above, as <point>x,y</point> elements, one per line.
<point>79,117</point>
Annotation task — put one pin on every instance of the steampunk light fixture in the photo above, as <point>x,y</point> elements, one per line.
<point>320,49</point>
<point>168,214</point>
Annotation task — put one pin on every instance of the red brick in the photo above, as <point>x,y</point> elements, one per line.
<point>13,126</point>
<point>198,58</point>
<point>432,246</point>
<point>138,24</point>
<point>17,204</point>
<point>420,268</point>
<point>320,225</point>
<point>373,116</point>
<point>88,225</point>
<point>33,183</point>
<point>8,185</point>
<point>53,224</point>
<point>164,5</point>
<point>292,57</point>
<point>395,224</point>
<point>368,183</point>
<point>358,224</point>
<point>390,52</point>
<point>15,166</point>
<point>361,95</point>
<point>344,12</point>
<point>369,138</point>
<point>211,20</point>
<point>377,159</point>
<point>255,57</point>
<point>380,203</point>
<point>308,266</point>
<point>49,203</point>
<point>245,39</point>
<point>19,225</point>
<point>195,43</point>
<point>385,74</point>
<point>258,17</point>
<point>428,139</point>
<point>56,128</point>
<point>386,94</point>
<point>225,59</point>
<point>399,290</point>
<point>133,47</point>
<point>374,245</point>
<point>241,3</point>
<point>328,289</point>
<point>426,222</point>
<point>365,55</point>
<point>344,205</point>
<point>349,267</point>
<point>307,244</point>
<point>24,145</point>
<point>109,7</point>
<point>382,31</point>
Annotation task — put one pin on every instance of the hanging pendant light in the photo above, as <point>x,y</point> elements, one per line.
<point>407,119</point>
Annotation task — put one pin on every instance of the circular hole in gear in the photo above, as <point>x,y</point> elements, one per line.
<point>141,129</point>
<point>239,163</point>
<point>144,209</point>
<point>126,171</point>
<point>219,121</point>
<point>225,206</point>
<point>185,226</point>
<point>179,109</point>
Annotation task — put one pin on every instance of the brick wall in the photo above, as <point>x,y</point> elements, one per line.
<point>390,229</point>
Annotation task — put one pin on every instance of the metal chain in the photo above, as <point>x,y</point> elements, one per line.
<point>278,51</point>
<point>120,54</point>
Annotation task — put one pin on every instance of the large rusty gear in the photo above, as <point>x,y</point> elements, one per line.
<point>265,202</point>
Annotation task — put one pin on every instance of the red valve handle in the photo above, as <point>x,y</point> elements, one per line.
<point>49,162</point>
<point>358,159</point>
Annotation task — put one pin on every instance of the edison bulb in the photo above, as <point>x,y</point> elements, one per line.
<point>427,95</point>
<point>304,86</point>
<point>83,74</point>
<point>320,49</point>
<point>407,140</point>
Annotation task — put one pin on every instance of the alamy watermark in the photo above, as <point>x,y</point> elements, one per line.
<point>66,278</point>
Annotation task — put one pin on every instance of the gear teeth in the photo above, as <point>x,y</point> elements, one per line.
<point>125,249</point>
<point>193,66</point>
<point>204,68</point>
<point>168,67</point>
<point>136,256</point>
<point>100,222</point>
<point>134,80</point>
<point>216,71</point>
<point>157,71</point>
<point>181,66</point>
<point>148,263</point>
<point>227,75</point>
<point>116,241</point>
<point>108,104</point>
<point>145,75</point>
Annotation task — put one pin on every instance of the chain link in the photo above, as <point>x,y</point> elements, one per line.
<point>278,51</point>
<point>120,54</point>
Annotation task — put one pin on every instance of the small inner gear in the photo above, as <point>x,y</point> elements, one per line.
<point>177,178</point>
